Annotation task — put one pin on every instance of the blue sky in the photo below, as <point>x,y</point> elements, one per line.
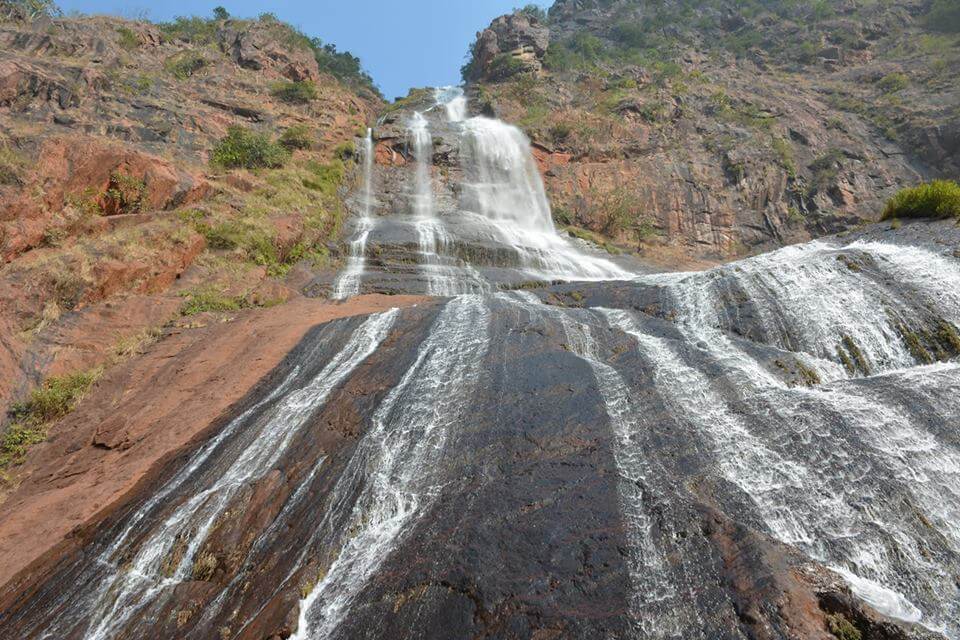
<point>402,43</point>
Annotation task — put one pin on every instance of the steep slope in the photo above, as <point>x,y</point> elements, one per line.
<point>126,208</point>
<point>715,129</point>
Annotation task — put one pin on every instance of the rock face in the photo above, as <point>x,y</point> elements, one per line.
<point>558,443</point>
<point>107,196</point>
<point>512,44</point>
<point>623,460</point>
<point>711,132</point>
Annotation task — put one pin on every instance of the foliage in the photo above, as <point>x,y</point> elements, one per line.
<point>126,192</point>
<point>300,92</point>
<point>208,299</point>
<point>296,137</point>
<point>532,11</point>
<point>826,167</point>
<point>55,398</point>
<point>893,82</point>
<point>242,148</point>
<point>184,64</point>
<point>128,39</point>
<point>193,29</point>
<point>326,178</point>
<point>784,151</point>
<point>842,628</point>
<point>944,16</point>
<point>936,199</point>
<point>505,65</point>
<point>11,166</point>
<point>27,10</point>
<point>219,13</point>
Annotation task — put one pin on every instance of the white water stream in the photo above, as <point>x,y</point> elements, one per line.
<point>348,283</point>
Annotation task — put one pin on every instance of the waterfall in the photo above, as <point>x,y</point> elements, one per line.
<point>348,284</point>
<point>393,477</point>
<point>246,449</point>
<point>453,101</point>
<point>422,144</point>
<point>823,303</point>
<point>504,193</point>
<point>657,610</point>
<point>831,470</point>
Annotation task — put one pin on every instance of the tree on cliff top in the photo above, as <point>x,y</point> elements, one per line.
<point>27,9</point>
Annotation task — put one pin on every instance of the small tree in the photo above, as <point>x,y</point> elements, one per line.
<point>27,10</point>
<point>532,11</point>
<point>219,13</point>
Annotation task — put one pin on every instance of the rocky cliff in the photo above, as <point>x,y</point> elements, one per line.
<point>126,209</point>
<point>716,129</point>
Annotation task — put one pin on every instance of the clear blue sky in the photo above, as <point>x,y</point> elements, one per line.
<point>402,43</point>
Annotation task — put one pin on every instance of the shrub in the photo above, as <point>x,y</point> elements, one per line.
<point>247,149</point>
<point>300,92</point>
<point>193,29</point>
<point>842,628</point>
<point>11,166</point>
<point>128,39</point>
<point>54,399</point>
<point>125,193</point>
<point>296,137</point>
<point>203,300</point>
<point>893,82</point>
<point>504,66</point>
<point>944,16</point>
<point>184,64</point>
<point>27,10</point>
<point>937,199</point>
<point>327,177</point>
<point>532,11</point>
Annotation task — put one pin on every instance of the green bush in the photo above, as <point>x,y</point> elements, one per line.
<point>327,178</point>
<point>842,628</point>
<point>533,11</point>
<point>128,39</point>
<point>944,16</point>
<point>193,29</point>
<point>54,399</point>
<point>184,64</point>
<point>294,92</point>
<point>893,82</point>
<point>937,199</point>
<point>296,137</point>
<point>242,148</point>
<point>203,300</point>
<point>504,66</point>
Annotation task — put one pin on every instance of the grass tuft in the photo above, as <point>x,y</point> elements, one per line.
<point>936,199</point>
<point>242,148</point>
<point>55,398</point>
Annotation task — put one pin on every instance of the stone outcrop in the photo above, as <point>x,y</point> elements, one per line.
<point>682,142</point>
<point>259,50</point>
<point>512,44</point>
<point>106,129</point>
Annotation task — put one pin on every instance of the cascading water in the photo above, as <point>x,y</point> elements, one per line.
<point>244,451</point>
<point>657,609</point>
<point>393,477</point>
<point>348,283</point>
<point>828,469</point>
<point>504,193</point>
<point>688,412</point>
<point>453,101</point>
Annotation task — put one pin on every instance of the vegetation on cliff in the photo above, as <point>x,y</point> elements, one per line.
<point>150,172</point>
<point>55,398</point>
<point>735,126</point>
<point>936,199</point>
